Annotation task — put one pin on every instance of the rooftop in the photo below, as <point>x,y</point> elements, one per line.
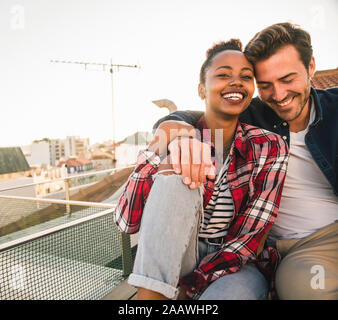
<point>92,261</point>
<point>325,79</point>
<point>74,162</point>
<point>137,138</point>
<point>12,160</point>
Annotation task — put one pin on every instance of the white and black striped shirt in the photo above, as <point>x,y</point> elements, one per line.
<point>220,209</point>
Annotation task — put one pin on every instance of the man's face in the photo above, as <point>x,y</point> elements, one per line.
<point>284,83</point>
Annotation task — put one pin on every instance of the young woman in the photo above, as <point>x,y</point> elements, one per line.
<point>203,243</point>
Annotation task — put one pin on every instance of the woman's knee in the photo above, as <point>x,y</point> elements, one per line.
<point>171,185</point>
<point>170,202</point>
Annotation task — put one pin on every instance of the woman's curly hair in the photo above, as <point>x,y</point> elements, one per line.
<point>232,44</point>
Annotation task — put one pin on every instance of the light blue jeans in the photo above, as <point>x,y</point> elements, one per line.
<point>168,246</point>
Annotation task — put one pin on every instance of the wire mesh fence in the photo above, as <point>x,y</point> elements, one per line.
<point>83,180</point>
<point>21,216</point>
<point>69,257</point>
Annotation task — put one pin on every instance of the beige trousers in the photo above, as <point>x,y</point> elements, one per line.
<point>309,266</point>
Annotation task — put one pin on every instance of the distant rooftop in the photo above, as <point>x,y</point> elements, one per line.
<point>73,162</point>
<point>137,138</point>
<point>12,160</point>
<point>325,79</point>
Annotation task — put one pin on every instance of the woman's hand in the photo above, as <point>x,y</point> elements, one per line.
<point>167,131</point>
<point>188,156</point>
<point>191,158</point>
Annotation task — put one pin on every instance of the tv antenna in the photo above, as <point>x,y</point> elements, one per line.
<point>110,66</point>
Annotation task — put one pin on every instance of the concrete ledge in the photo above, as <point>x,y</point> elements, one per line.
<point>122,292</point>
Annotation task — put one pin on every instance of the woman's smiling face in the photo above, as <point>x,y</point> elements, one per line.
<point>229,84</point>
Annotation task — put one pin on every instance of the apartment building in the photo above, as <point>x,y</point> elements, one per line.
<point>51,151</point>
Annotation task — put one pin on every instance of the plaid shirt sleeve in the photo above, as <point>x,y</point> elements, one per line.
<point>129,209</point>
<point>250,224</point>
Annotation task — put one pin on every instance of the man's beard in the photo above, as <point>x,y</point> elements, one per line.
<point>288,115</point>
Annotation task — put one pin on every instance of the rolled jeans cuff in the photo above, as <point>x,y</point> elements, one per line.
<point>155,285</point>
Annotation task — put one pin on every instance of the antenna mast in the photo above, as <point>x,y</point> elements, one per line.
<point>104,66</point>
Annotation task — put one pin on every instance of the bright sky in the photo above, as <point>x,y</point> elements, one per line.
<point>168,38</point>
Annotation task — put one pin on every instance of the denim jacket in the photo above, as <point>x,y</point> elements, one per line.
<point>321,138</point>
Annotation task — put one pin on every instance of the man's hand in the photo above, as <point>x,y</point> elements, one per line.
<point>191,158</point>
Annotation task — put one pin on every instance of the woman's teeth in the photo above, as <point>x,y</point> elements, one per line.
<point>233,96</point>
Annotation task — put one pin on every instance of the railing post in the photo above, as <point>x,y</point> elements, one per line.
<point>67,195</point>
<point>37,186</point>
<point>127,260</point>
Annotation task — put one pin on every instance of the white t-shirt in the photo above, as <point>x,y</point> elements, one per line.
<point>308,202</point>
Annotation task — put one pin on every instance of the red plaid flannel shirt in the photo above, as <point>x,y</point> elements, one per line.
<point>256,176</point>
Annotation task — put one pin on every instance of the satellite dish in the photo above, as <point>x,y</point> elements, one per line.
<point>165,103</point>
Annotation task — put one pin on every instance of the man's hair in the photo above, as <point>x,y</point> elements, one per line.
<point>268,41</point>
<point>232,44</point>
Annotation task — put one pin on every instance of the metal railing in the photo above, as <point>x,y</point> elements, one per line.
<point>69,182</point>
<point>68,257</point>
<point>20,213</point>
<point>63,179</point>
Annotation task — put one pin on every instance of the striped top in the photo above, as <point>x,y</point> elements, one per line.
<point>219,211</point>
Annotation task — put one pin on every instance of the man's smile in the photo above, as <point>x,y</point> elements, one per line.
<point>284,104</point>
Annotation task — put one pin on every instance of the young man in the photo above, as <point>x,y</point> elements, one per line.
<point>306,229</point>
